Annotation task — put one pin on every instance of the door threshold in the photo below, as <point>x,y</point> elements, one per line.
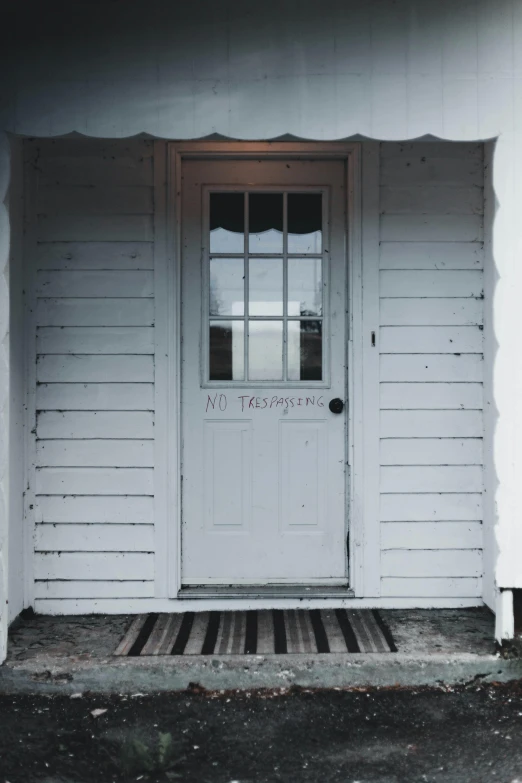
<point>265,591</point>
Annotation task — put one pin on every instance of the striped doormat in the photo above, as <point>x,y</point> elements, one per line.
<point>269,632</point>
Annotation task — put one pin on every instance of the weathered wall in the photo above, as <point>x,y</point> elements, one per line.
<point>89,249</point>
<point>431,347</point>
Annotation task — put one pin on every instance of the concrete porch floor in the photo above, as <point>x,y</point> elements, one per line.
<point>75,654</point>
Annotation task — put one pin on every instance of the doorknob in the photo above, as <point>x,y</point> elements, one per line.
<point>336,405</point>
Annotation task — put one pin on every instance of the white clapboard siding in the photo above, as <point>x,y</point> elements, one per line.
<point>434,587</point>
<point>431,424</point>
<point>95,453</point>
<point>419,169</point>
<point>93,170</point>
<point>96,396</point>
<point>428,507</point>
<point>95,339</point>
<point>431,535</point>
<point>91,481</point>
<point>431,368</point>
<point>95,424</point>
<point>113,510</point>
<point>431,312</point>
<point>106,200</point>
<point>89,369</point>
<point>431,562</point>
<point>431,478</point>
<point>431,396</point>
<point>94,565</point>
<point>79,148</point>
<point>97,228</point>
<point>94,538</point>
<point>431,151</point>
<point>431,451</point>
<point>47,589</point>
<point>430,339</point>
<point>412,283</point>
<point>431,228</point>
<point>431,199</point>
<point>91,255</point>
<point>432,255</point>
<point>95,312</point>
<point>87,283</point>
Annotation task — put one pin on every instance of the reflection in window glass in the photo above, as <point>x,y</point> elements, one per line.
<point>227,222</point>
<point>226,286</point>
<point>226,351</point>
<point>265,284</point>
<point>304,286</point>
<point>265,222</point>
<point>265,351</point>
<point>305,351</point>
<point>305,221</point>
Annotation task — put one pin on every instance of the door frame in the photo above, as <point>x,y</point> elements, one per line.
<point>362,491</point>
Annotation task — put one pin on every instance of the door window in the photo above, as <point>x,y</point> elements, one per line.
<point>266,288</point>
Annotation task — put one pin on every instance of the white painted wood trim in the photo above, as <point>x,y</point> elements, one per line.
<point>369,402</point>
<point>142,605</point>
<point>504,616</point>
<point>5,173</point>
<point>162,516</point>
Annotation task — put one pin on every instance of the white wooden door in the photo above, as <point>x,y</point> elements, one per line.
<point>263,354</point>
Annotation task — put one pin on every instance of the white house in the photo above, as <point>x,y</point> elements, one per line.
<point>260,305</point>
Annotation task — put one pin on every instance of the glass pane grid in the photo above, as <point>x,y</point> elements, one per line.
<point>259,296</point>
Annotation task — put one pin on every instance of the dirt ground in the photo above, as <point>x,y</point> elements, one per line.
<point>469,734</point>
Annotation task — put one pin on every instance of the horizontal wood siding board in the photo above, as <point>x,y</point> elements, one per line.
<point>77,256</point>
<point>115,510</point>
<point>431,228</point>
<point>431,563</point>
<point>95,312</point>
<point>88,589</point>
<point>431,368</point>
<point>418,169</point>
<point>438,283</point>
<point>94,538</point>
<point>430,339</point>
<point>437,587</point>
<point>95,396</point>
<point>103,200</point>
<point>92,369</point>
<point>431,396</point>
<point>92,424</point>
<point>430,507</point>
<point>431,478</point>
<point>95,340</point>
<point>431,424</point>
<point>417,311</point>
<point>431,451</point>
<point>95,283</point>
<point>92,148</point>
<point>101,228</point>
<point>94,481</point>
<point>94,565</point>
<point>431,255</point>
<point>95,453</point>
<point>91,170</point>
<point>420,199</point>
<point>431,535</point>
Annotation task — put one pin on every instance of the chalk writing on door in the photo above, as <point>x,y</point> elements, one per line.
<point>244,402</point>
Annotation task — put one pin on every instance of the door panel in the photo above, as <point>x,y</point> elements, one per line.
<point>263,352</point>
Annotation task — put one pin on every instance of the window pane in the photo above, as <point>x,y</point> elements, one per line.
<point>304,286</point>
<point>265,351</point>
<point>265,216</point>
<point>227,222</point>
<point>226,286</point>
<point>226,352</point>
<point>305,351</point>
<point>265,285</point>
<point>305,221</point>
